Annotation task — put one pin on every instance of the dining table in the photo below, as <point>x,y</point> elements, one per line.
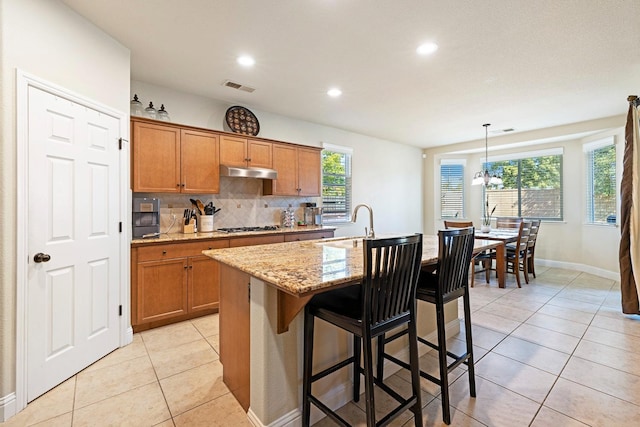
<point>503,236</point>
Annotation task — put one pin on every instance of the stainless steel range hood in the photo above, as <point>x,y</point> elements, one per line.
<point>250,172</point>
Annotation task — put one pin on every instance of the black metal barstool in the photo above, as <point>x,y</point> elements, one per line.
<point>449,282</point>
<point>385,300</point>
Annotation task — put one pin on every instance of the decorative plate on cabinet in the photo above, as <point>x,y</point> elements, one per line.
<point>241,120</point>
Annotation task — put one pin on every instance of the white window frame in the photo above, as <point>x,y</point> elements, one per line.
<point>557,151</point>
<point>328,218</point>
<point>588,150</point>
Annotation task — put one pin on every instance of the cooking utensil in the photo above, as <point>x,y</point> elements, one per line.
<point>215,211</point>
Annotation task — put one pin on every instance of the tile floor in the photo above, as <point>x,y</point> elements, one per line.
<point>556,352</point>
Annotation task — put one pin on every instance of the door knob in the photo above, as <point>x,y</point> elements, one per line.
<point>40,257</point>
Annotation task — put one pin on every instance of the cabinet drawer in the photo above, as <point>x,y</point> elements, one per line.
<point>308,236</point>
<point>178,250</point>
<point>255,240</point>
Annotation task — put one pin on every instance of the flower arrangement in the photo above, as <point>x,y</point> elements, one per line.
<point>486,216</point>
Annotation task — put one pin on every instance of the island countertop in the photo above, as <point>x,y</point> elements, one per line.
<point>182,237</point>
<point>307,267</point>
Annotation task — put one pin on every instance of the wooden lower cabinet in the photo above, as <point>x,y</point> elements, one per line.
<point>173,282</point>
<point>162,290</point>
<point>203,293</point>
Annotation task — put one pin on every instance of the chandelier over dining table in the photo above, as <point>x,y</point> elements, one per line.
<point>485,177</point>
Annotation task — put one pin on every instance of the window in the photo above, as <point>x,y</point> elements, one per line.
<point>336,183</point>
<point>601,181</point>
<point>532,185</point>
<point>452,189</point>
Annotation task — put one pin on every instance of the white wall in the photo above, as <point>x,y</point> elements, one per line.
<point>570,243</point>
<point>49,41</point>
<point>386,175</point>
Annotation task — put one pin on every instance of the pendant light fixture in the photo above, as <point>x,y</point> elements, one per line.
<point>483,177</point>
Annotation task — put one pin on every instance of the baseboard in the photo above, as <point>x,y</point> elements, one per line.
<point>290,419</point>
<point>128,336</point>
<point>7,406</point>
<point>341,394</point>
<point>607,274</point>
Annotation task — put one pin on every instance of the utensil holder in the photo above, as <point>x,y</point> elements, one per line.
<point>206,223</point>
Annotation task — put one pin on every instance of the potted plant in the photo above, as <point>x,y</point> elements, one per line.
<point>486,217</point>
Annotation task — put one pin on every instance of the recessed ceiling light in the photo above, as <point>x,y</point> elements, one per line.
<point>427,48</point>
<point>246,61</point>
<point>334,92</point>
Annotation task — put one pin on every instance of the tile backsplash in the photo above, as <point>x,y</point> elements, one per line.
<point>241,201</point>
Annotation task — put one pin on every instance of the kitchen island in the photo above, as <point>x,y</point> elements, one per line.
<point>262,291</point>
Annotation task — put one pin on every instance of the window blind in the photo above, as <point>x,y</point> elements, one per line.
<point>451,190</point>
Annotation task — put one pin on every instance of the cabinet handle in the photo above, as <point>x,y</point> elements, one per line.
<point>185,267</point>
<point>191,266</point>
<point>164,252</point>
<point>178,185</point>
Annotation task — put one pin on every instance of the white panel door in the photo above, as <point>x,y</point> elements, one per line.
<point>73,241</point>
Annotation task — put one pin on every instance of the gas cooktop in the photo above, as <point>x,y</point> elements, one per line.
<point>244,229</point>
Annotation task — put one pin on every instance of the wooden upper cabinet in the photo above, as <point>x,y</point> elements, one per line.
<point>169,159</point>
<point>260,154</point>
<point>155,158</point>
<point>309,172</point>
<point>284,162</point>
<point>199,162</point>
<point>233,151</point>
<point>298,172</point>
<point>243,152</point>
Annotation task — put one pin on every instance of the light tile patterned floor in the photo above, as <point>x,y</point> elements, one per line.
<point>556,352</point>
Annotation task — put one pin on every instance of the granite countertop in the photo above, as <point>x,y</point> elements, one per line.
<point>301,268</point>
<point>181,237</point>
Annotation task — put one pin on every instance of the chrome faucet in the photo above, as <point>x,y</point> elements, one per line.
<point>370,234</point>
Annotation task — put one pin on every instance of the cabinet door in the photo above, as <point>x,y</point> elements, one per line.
<point>162,289</point>
<point>233,151</point>
<point>155,158</point>
<point>259,154</point>
<point>204,283</point>
<point>285,162</point>
<point>199,162</point>
<point>309,174</point>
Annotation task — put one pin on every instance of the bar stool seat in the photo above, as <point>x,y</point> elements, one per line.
<point>385,300</point>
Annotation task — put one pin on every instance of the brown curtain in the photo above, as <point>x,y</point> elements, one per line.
<point>630,214</point>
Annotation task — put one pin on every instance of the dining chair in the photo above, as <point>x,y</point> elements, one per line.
<point>516,253</point>
<point>531,246</point>
<point>508,222</point>
<point>448,283</point>
<point>482,258</point>
<point>385,300</point>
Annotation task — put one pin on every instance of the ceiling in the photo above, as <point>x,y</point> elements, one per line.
<point>515,64</point>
